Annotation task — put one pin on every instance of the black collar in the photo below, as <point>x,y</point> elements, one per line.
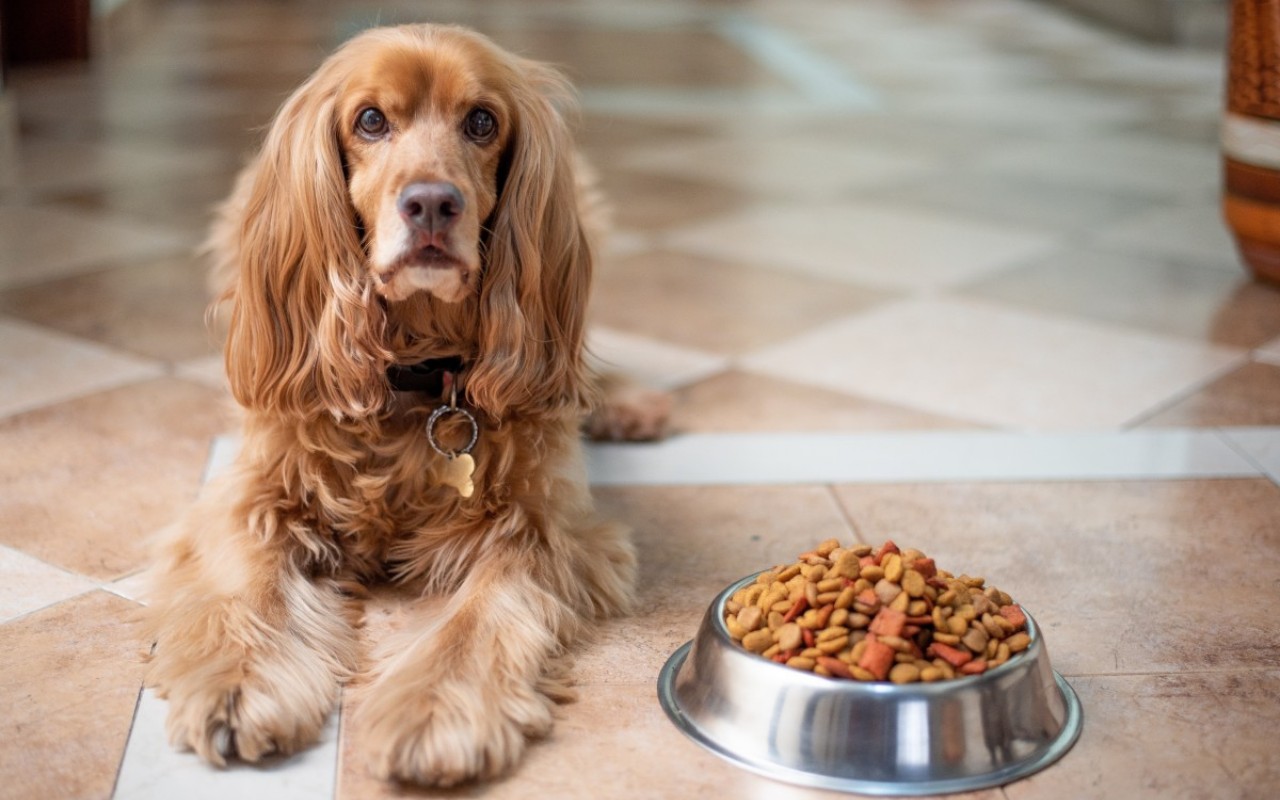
<point>425,376</point>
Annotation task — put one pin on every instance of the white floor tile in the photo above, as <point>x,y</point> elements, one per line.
<point>1043,109</point>
<point>651,363</point>
<point>750,458</point>
<point>221,454</point>
<point>132,587</point>
<point>785,167</point>
<point>870,244</point>
<point>49,165</point>
<point>997,366</point>
<point>1260,445</point>
<point>1194,234</point>
<point>153,770</point>
<point>28,584</point>
<point>1131,163</point>
<point>39,367</point>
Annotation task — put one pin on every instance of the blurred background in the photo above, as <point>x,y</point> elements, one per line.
<point>903,219</point>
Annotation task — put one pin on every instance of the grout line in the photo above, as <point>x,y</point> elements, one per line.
<point>341,727</point>
<point>844,512</point>
<point>918,457</point>
<point>1186,393</point>
<point>59,601</point>
<point>133,720</point>
<point>1248,456</point>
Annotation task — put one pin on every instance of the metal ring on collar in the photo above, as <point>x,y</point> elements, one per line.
<point>431,430</point>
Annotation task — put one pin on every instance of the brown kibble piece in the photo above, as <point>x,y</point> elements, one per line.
<point>904,673</point>
<point>751,617</point>
<point>790,636</point>
<point>758,641</point>
<point>867,614</point>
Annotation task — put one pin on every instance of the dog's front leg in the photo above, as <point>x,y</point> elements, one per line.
<point>249,648</point>
<point>461,698</point>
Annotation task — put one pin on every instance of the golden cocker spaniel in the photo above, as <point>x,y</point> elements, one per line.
<point>408,272</point>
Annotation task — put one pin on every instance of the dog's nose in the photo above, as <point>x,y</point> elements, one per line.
<point>432,206</point>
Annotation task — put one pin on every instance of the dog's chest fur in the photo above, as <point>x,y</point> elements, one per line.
<point>372,498</point>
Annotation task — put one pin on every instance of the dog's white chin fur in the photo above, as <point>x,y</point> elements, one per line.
<point>447,283</point>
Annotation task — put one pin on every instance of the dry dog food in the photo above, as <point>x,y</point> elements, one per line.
<point>874,615</point>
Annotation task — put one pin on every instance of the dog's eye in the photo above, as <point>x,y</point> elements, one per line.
<point>371,122</point>
<point>480,126</point>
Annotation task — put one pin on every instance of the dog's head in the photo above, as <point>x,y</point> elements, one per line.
<point>417,161</point>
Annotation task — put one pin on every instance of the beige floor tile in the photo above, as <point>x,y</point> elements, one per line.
<point>605,138</point>
<point>72,675</point>
<point>694,541</point>
<point>872,244</point>
<point>39,367</point>
<point>155,309</point>
<point>1095,563</point>
<point>997,366</point>
<point>88,481</point>
<point>713,305</point>
<point>1249,395</point>
<point>1177,298</point>
<point>741,401</point>
<point>640,202</point>
<point>1169,737</point>
<point>37,246</point>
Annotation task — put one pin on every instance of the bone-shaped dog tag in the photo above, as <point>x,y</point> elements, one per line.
<point>457,473</point>
<point>458,465</point>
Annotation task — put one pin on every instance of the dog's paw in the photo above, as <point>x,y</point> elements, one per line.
<point>453,733</point>
<point>630,414</point>
<point>246,722</point>
<point>266,700</point>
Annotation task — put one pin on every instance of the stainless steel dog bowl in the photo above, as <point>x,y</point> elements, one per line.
<point>872,738</point>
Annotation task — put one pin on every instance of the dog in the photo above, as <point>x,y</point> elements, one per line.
<point>408,261</point>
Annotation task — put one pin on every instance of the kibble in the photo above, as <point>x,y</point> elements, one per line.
<point>876,614</point>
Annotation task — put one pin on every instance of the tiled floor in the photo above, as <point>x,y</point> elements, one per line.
<point>951,272</point>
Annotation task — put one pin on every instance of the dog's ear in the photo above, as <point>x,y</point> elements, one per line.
<point>306,327</point>
<point>537,270</point>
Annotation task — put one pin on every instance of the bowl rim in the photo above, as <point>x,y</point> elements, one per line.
<point>918,688</point>
<point>1072,726</point>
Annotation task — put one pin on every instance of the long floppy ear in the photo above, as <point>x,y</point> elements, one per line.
<point>537,271</point>
<point>306,329</point>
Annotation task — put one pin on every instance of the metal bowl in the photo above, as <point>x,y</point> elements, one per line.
<point>871,738</point>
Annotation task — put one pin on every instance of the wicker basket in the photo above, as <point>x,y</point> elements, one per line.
<point>1251,135</point>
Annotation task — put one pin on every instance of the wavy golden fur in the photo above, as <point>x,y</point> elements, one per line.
<point>334,275</point>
